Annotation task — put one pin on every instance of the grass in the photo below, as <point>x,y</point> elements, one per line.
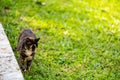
<point>80,39</point>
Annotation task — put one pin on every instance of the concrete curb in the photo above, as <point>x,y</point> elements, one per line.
<point>9,69</point>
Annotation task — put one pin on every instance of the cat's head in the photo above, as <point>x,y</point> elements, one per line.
<point>31,43</point>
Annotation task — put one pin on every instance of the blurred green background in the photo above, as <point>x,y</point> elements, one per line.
<point>80,39</point>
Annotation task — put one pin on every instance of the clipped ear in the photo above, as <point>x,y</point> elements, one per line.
<point>37,39</point>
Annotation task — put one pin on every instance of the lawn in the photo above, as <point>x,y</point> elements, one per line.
<point>80,39</point>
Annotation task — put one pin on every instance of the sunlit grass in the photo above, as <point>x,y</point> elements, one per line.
<point>80,39</point>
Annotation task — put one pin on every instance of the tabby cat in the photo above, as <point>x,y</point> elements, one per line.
<point>27,43</point>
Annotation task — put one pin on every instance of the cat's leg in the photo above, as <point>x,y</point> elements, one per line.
<point>22,62</point>
<point>29,61</point>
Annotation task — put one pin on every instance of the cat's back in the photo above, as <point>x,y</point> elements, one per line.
<point>26,33</point>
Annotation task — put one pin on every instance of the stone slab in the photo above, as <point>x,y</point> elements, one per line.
<point>9,69</point>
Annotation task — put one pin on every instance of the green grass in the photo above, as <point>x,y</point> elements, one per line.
<point>80,39</point>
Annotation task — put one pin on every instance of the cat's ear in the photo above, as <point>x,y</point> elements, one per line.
<point>37,39</point>
<point>27,39</point>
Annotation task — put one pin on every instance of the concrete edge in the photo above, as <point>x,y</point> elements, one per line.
<point>9,68</point>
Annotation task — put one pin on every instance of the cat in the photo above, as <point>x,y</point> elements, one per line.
<point>27,44</point>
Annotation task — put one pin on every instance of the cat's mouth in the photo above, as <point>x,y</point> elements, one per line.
<point>30,49</point>
<point>28,52</point>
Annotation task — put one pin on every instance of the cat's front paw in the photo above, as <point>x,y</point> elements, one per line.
<point>28,69</point>
<point>25,70</point>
